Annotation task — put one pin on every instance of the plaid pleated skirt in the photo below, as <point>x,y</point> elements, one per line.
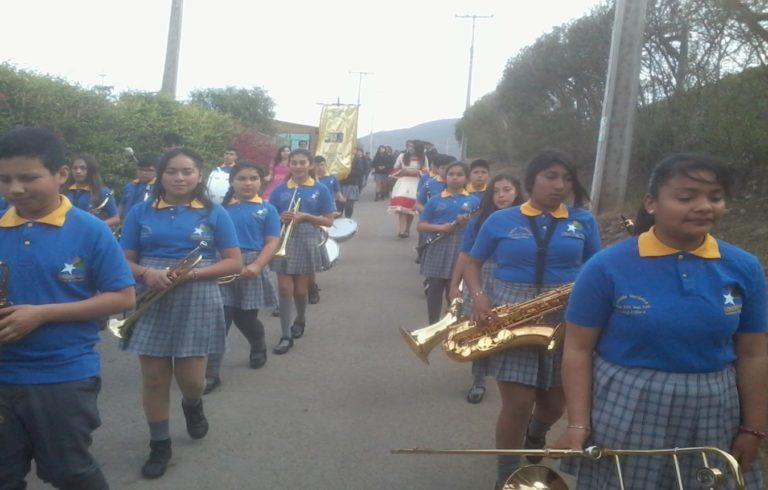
<point>636,408</point>
<point>532,366</point>
<point>250,294</point>
<point>303,253</point>
<point>187,322</point>
<point>440,256</point>
<point>480,367</point>
<point>350,192</point>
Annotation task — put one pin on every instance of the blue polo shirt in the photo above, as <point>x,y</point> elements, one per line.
<point>64,257</point>
<point>135,192</point>
<point>446,207</point>
<point>254,220</point>
<point>477,193</point>
<point>315,198</point>
<point>81,198</point>
<point>506,235</point>
<point>332,183</point>
<point>157,229</point>
<point>470,235</point>
<point>670,310</point>
<point>3,204</point>
<point>432,187</point>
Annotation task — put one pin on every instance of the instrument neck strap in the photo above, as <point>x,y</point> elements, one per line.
<point>541,247</point>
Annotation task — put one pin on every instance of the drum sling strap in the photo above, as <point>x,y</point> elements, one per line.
<point>541,247</point>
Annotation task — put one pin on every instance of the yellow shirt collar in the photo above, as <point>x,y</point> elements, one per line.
<point>161,204</point>
<point>78,187</point>
<point>650,246</point>
<point>151,182</point>
<point>255,199</point>
<point>447,193</point>
<point>57,217</point>
<point>307,183</point>
<point>473,189</point>
<point>528,210</point>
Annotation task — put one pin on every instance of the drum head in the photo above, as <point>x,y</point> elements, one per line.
<point>332,250</point>
<point>218,185</point>
<point>343,229</point>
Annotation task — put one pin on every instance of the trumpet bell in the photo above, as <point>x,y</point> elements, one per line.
<point>535,477</point>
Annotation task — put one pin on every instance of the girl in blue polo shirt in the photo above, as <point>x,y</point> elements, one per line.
<point>303,254</point>
<point>86,191</point>
<point>505,192</point>
<point>332,183</point>
<point>446,214</point>
<point>258,231</point>
<point>537,246</point>
<point>665,344</point>
<point>176,334</point>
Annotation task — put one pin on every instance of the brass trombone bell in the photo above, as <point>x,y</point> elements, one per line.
<point>535,477</point>
<point>423,340</point>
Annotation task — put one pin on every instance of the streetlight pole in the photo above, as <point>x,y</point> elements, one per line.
<point>171,71</point>
<point>360,75</point>
<point>469,81</point>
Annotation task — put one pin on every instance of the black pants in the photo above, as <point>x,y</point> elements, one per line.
<point>346,208</point>
<point>436,289</point>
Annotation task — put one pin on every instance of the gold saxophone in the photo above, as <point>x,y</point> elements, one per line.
<point>515,325</point>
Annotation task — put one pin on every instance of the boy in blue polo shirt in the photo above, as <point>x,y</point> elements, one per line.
<point>66,271</point>
<point>139,189</point>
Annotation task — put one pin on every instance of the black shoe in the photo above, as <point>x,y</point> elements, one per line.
<point>534,443</point>
<point>476,394</point>
<point>159,455</point>
<point>276,312</point>
<point>297,330</point>
<point>313,294</point>
<point>283,346</point>
<point>211,384</point>
<point>197,424</point>
<point>258,359</point>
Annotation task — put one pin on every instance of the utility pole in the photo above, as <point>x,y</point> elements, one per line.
<point>614,142</point>
<point>360,75</point>
<point>469,82</point>
<point>171,71</point>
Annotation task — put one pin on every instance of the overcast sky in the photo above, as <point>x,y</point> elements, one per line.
<point>300,51</point>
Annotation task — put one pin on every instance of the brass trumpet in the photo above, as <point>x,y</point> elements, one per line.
<point>542,478</point>
<point>123,329</point>
<point>287,230</point>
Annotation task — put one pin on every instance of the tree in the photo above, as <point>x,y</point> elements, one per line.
<point>252,107</point>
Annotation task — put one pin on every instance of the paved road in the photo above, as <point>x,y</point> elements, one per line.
<point>327,414</point>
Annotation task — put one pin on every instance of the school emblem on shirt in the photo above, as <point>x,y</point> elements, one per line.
<point>441,207</point>
<point>574,229</point>
<point>146,231</point>
<point>519,233</point>
<point>466,207</point>
<point>632,304</point>
<point>731,300</point>
<point>73,270</point>
<point>202,232</point>
<point>315,196</point>
<point>260,214</point>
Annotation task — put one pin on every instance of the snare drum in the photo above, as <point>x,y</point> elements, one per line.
<point>343,229</point>
<point>329,254</point>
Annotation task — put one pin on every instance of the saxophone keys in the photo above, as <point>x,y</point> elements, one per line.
<point>484,343</point>
<point>465,351</point>
<point>504,335</point>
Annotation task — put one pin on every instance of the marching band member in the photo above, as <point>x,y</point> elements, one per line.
<point>505,193</point>
<point>430,185</point>
<point>218,180</point>
<point>140,188</point>
<point>258,231</point>
<point>334,187</point>
<point>537,246</point>
<point>479,172</point>
<point>176,334</point>
<point>66,271</point>
<point>303,254</point>
<point>86,191</point>
<point>445,214</point>
<point>665,343</point>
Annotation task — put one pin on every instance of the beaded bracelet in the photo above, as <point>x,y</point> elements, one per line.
<point>580,427</point>
<point>479,293</point>
<point>752,432</point>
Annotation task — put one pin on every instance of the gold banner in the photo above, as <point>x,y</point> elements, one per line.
<point>337,138</point>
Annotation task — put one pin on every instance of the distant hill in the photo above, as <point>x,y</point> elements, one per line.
<point>440,133</point>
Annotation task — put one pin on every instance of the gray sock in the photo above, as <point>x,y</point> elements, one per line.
<point>537,428</point>
<point>159,431</point>
<point>479,380</point>
<point>286,314</point>
<point>505,466</point>
<point>301,309</point>
<point>191,403</point>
